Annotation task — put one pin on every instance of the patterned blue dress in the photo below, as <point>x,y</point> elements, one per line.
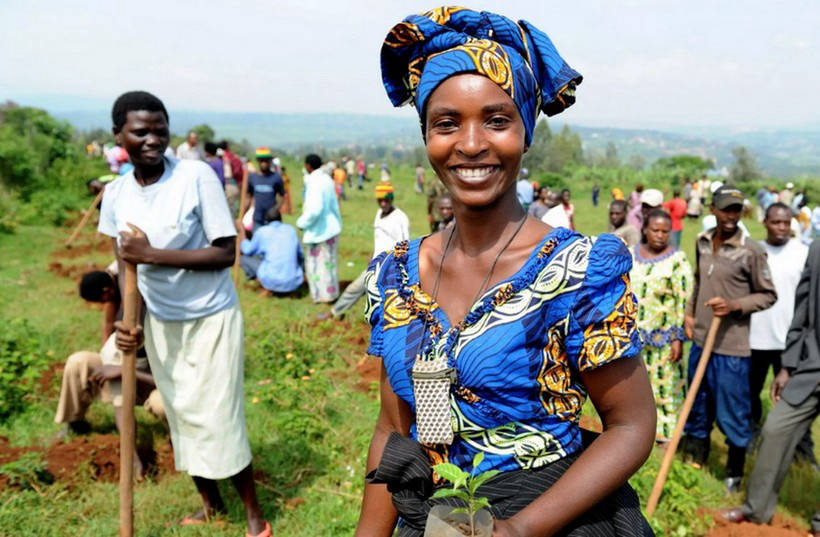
<point>519,351</point>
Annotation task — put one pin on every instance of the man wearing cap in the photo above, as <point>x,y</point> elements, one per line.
<point>263,188</point>
<point>651,198</point>
<point>732,281</point>
<point>390,227</point>
<point>787,195</point>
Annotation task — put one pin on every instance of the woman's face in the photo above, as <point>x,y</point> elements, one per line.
<point>475,139</point>
<point>657,233</point>
<point>144,136</point>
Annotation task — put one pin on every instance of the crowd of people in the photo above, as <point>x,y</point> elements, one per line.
<point>493,329</point>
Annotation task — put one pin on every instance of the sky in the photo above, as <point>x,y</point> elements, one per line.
<point>646,63</point>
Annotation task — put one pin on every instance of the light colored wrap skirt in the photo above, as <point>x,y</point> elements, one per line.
<point>198,367</point>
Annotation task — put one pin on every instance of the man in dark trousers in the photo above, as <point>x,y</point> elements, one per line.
<point>796,392</point>
<point>732,281</point>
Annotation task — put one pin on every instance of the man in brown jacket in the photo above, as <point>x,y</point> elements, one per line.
<point>732,281</point>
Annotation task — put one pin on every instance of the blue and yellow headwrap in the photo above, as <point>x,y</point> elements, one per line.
<point>423,50</point>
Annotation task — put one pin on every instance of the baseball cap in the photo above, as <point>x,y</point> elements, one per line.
<point>726,196</point>
<point>652,197</point>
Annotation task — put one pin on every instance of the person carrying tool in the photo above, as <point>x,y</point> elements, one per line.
<point>732,281</point>
<point>170,219</point>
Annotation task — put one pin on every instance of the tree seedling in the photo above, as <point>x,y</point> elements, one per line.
<point>465,486</point>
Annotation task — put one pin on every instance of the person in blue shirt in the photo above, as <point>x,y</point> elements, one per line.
<point>273,255</point>
<point>263,188</point>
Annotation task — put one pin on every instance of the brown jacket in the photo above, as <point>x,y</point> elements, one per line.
<point>738,272</point>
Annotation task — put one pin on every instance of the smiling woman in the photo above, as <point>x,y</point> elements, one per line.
<point>492,332</point>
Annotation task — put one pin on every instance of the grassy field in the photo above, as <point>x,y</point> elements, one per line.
<point>310,412</point>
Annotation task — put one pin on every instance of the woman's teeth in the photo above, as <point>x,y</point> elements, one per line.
<point>473,173</point>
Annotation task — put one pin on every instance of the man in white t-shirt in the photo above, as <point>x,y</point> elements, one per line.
<point>767,334</point>
<point>390,226</point>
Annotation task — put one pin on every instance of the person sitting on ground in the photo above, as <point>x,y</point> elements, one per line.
<point>539,206</point>
<point>214,161</point>
<point>390,227</point>
<point>265,189</point>
<point>796,394</point>
<point>91,375</point>
<point>492,333</point>
<point>732,281</point>
<point>445,209</point>
<point>273,256</point>
<point>662,278</point>
<point>169,218</point>
<point>618,225</point>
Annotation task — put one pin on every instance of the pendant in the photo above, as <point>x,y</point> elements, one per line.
<point>432,380</point>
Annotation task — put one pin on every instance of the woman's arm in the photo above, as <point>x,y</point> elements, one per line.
<point>623,398</point>
<point>378,516</point>
<point>135,248</point>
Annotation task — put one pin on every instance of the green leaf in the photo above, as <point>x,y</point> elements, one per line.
<point>477,460</point>
<point>451,472</point>
<point>458,510</point>
<point>445,493</point>
<point>481,503</point>
<point>482,478</point>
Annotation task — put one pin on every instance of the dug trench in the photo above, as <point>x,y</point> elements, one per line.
<point>94,457</point>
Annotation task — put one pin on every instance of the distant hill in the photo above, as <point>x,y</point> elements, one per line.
<point>778,152</point>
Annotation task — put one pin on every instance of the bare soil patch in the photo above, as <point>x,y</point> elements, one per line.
<point>781,526</point>
<point>95,457</point>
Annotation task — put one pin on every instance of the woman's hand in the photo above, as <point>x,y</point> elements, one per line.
<point>675,351</point>
<point>134,247</point>
<point>505,528</point>
<point>128,340</point>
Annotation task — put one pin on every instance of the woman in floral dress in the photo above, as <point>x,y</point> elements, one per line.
<point>662,279</point>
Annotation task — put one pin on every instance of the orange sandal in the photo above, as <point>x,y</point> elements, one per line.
<point>267,532</point>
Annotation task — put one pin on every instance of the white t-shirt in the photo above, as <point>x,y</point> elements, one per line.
<point>387,231</point>
<point>769,327</point>
<point>556,217</point>
<point>185,210</point>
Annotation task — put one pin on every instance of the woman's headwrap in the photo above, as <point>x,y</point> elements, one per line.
<point>423,50</point>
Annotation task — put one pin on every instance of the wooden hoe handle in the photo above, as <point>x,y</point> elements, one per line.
<point>684,414</point>
<point>129,392</point>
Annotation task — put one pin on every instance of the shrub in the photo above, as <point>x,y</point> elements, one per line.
<point>22,361</point>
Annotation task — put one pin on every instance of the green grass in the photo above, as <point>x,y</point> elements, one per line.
<point>309,421</point>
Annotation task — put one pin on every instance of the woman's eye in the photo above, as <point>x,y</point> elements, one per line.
<point>444,124</point>
<point>499,121</point>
